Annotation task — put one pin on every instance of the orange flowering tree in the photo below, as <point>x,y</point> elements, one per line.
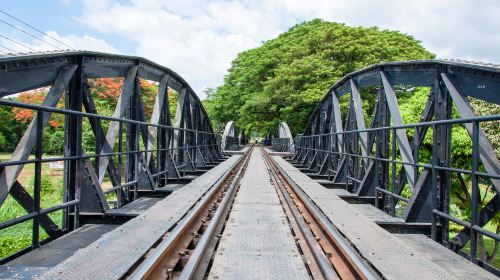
<point>36,97</point>
<point>53,136</point>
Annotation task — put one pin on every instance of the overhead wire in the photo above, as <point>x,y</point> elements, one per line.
<point>34,28</point>
<point>16,42</point>
<point>25,32</point>
<point>7,48</point>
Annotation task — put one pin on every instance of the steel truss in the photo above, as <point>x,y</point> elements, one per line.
<point>231,139</point>
<point>284,140</point>
<point>139,155</point>
<point>343,149</point>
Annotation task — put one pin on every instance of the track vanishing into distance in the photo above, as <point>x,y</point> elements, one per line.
<point>253,225</point>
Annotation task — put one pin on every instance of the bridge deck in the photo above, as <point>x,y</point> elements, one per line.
<point>394,256</point>
<point>111,256</point>
<point>54,252</point>
<point>135,208</point>
<point>257,242</point>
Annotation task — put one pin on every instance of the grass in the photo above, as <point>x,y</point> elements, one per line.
<point>19,236</point>
<point>489,244</point>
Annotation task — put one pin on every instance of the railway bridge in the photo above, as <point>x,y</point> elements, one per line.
<point>161,195</point>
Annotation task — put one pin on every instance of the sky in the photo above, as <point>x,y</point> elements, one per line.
<point>199,39</point>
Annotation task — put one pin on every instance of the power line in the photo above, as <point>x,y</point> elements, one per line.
<point>34,28</point>
<point>14,41</point>
<point>13,26</point>
<point>8,48</point>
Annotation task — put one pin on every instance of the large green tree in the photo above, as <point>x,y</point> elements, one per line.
<point>284,79</point>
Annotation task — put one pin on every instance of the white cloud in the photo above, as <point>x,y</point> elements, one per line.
<point>85,42</point>
<point>198,39</point>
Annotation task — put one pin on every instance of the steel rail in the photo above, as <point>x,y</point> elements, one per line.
<point>158,264</point>
<point>324,264</point>
<point>349,264</point>
<point>193,269</point>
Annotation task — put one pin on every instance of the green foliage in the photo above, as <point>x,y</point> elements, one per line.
<point>173,97</point>
<point>3,141</point>
<point>284,79</point>
<point>11,130</point>
<point>457,212</point>
<point>490,129</point>
<point>53,141</point>
<point>18,237</point>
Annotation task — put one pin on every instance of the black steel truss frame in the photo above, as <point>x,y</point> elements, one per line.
<point>365,160</point>
<point>231,139</point>
<point>284,140</point>
<point>136,154</point>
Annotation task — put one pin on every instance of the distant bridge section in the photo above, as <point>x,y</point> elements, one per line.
<point>284,140</point>
<point>232,139</point>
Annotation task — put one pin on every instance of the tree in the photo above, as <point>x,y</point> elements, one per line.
<point>284,79</point>
<point>11,129</point>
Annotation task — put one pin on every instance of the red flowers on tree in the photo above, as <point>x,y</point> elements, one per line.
<point>36,97</point>
<point>107,88</point>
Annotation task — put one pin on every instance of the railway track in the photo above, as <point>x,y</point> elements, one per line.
<point>187,251</point>
<point>324,247</point>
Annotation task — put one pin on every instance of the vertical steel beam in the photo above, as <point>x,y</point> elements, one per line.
<point>161,95</point>
<point>442,111</point>
<point>73,147</point>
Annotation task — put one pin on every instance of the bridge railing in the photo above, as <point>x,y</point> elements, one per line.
<point>309,143</point>
<point>231,140</point>
<point>412,170</point>
<point>282,144</point>
<point>137,156</point>
<point>180,158</point>
<point>232,143</point>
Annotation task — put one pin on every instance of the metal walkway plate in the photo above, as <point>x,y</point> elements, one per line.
<point>111,256</point>
<point>257,242</point>
<point>445,258</point>
<point>390,255</point>
<point>62,248</point>
<point>134,208</point>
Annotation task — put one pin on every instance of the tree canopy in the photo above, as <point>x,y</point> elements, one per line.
<point>285,78</point>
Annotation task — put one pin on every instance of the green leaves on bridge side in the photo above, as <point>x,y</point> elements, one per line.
<point>284,79</point>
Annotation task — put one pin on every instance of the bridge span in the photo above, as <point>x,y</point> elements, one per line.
<point>254,216</point>
<point>161,195</point>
